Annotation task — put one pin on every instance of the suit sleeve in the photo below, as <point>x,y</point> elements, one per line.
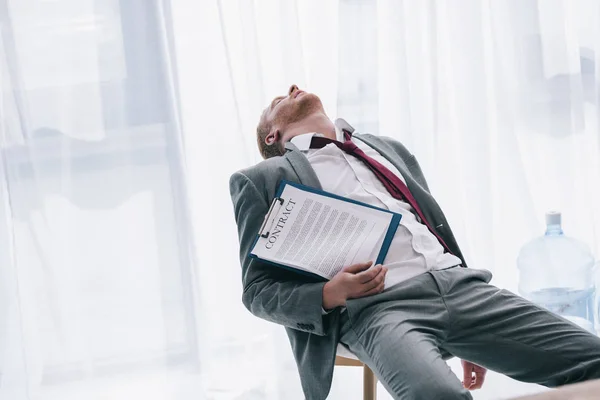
<point>272,293</point>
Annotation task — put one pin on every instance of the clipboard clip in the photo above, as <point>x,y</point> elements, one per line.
<point>270,217</point>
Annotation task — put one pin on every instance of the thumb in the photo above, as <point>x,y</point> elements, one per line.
<point>467,374</point>
<point>356,268</point>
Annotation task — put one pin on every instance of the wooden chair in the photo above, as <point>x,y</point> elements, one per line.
<point>369,380</point>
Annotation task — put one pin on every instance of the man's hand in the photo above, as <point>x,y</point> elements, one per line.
<point>473,375</point>
<point>352,282</point>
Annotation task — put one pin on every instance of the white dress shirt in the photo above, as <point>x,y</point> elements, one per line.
<point>414,249</point>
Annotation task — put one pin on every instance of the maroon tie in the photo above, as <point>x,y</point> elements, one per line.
<point>392,183</point>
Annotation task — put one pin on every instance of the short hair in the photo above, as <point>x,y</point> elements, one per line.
<point>262,131</point>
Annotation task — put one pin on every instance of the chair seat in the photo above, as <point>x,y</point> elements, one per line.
<point>345,357</point>
<point>343,351</point>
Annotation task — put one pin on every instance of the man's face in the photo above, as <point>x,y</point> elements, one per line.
<point>291,109</point>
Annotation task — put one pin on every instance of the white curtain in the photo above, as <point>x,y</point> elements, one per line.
<point>98,283</point>
<point>122,120</point>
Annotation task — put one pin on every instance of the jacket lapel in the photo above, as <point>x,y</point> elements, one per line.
<point>299,163</point>
<point>423,198</point>
<point>393,158</point>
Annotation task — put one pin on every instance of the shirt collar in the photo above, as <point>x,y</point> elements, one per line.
<point>302,142</point>
<point>340,126</point>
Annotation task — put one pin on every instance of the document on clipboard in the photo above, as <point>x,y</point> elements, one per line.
<point>318,233</point>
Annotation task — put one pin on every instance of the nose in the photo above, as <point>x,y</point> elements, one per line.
<point>293,88</point>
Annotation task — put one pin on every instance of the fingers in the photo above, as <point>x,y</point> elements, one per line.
<point>467,375</point>
<point>370,274</point>
<point>476,384</point>
<point>365,282</point>
<point>473,375</point>
<point>374,286</point>
<point>469,384</point>
<point>376,281</point>
<point>380,286</point>
<point>356,268</point>
<point>479,378</point>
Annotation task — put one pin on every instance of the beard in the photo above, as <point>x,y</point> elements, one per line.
<point>307,104</point>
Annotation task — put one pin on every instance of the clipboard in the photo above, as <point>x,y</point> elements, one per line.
<point>267,224</point>
<point>278,202</point>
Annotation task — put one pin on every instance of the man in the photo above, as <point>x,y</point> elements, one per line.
<point>432,308</point>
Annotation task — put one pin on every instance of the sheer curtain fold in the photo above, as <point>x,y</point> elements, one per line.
<point>110,287</point>
<point>98,300</point>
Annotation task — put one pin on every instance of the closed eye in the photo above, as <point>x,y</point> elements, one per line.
<point>276,101</point>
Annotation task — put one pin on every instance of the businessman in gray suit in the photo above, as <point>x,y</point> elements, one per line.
<point>406,317</point>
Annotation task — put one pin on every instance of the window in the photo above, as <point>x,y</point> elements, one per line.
<point>99,220</point>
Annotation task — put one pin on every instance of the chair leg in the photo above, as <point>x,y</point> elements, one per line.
<point>369,384</point>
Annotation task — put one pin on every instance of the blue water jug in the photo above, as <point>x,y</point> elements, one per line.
<point>557,272</point>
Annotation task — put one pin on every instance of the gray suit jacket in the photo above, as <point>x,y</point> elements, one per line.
<point>293,300</point>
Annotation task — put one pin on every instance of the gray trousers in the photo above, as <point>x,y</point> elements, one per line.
<point>403,334</point>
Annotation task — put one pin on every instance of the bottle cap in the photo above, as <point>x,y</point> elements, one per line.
<point>553,218</point>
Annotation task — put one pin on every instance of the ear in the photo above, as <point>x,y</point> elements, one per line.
<point>273,137</point>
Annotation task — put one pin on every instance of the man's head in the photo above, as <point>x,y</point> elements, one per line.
<point>284,118</point>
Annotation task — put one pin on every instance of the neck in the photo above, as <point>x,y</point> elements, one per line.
<point>318,123</point>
